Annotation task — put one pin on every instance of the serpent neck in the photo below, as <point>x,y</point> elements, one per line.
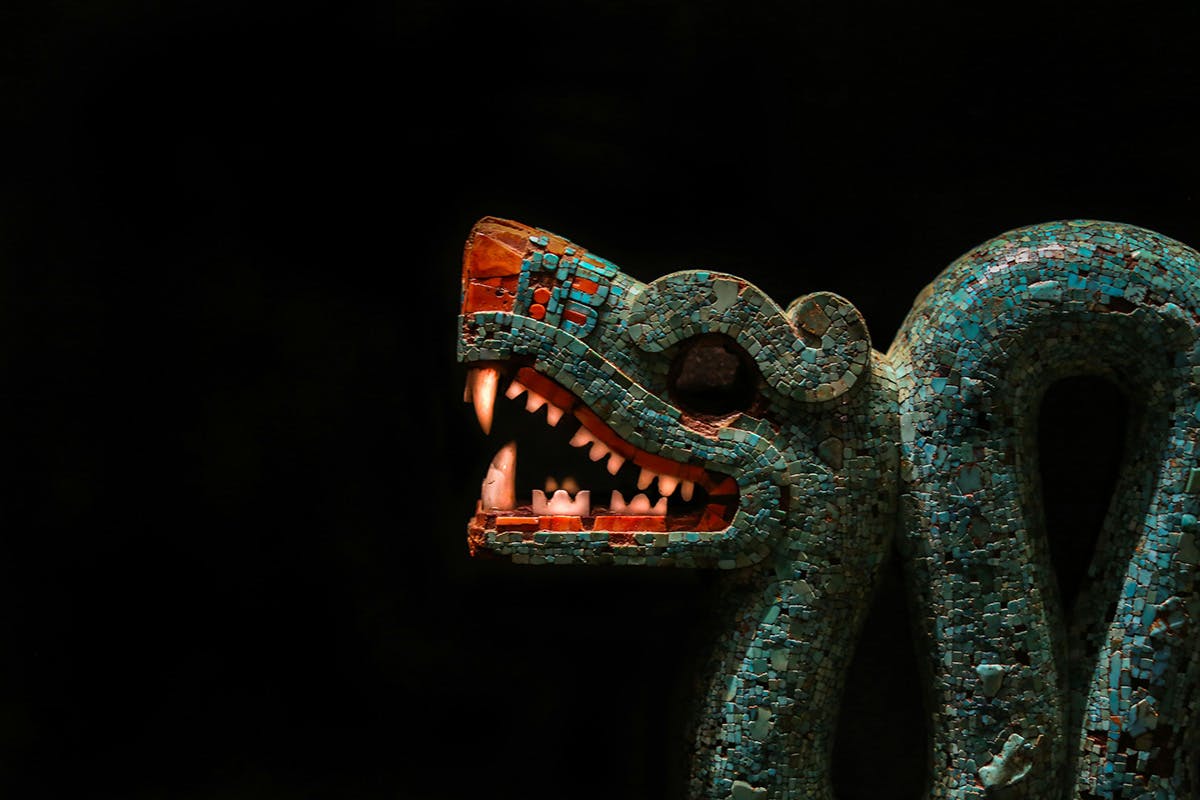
<point>788,626</point>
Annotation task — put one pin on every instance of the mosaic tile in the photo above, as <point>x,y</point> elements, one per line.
<point>775,443</point>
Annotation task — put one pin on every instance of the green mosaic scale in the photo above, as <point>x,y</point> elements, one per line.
<point>789,452</point>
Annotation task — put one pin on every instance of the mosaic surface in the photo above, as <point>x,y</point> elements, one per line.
<point>727,432</point>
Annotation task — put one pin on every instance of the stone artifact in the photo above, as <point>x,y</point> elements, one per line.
<point>774,442</point>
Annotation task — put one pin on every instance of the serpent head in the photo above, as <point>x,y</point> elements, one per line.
<point>737,434</point>
<point>718,414</point>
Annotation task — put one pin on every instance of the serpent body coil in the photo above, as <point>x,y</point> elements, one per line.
<point>789,453</point>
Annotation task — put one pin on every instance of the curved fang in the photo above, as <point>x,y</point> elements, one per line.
<point>481,388</point>
<point>498,490</point>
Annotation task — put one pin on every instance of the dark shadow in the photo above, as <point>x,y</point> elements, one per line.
<point>1082,428</point>
<point>880,751</point>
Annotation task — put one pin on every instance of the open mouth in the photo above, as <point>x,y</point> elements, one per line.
<point>595,481</point>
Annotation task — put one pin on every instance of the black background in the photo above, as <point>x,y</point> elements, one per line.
<point>232,560</point>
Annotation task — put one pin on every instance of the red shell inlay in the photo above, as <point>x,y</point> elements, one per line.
<point>488,257</point>
<point>557,523</point>
<point>489,295</point>
<point>622,523</point>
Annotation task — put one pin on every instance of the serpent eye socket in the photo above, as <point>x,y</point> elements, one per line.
<point>711,374</point>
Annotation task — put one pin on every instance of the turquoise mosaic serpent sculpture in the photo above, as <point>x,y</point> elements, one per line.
<point>776,444</point>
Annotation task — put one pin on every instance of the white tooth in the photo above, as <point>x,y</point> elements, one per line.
<point>615,460</point>
<point>514,390</point>
<point>539,503</point>
<point>640,505</point>
<point>484,381</point>
<point>686,488</point>
<point>553,414</point>
<point>581,437</point>
<point>646,478</point>
<point>599,450</point>
<point>534,401</point>
<point>667,484</point>
<point>561,504</point>
<point>497,491</point>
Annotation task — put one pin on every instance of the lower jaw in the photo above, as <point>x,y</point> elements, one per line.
<point>523,520</point>
<point>504,544</point>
